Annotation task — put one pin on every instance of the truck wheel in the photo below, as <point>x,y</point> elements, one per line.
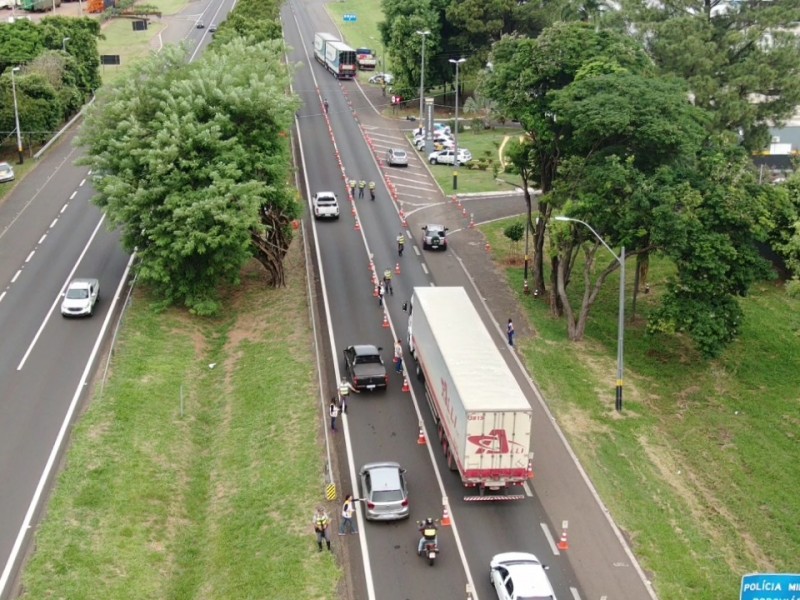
<point>420,374</point>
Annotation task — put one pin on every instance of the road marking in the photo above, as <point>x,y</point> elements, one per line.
<point>424,268</point>
<point>30,256</point>
<point>3,295</point>
<point>53,224</point>
<point>82,182</point>
<point>550,539</point>
<point>528,491</point>
<point>72,196</point>
<point>63,208</point>
<point>576,595</point>
<point>16,275</point>
<point>416,251</point>
<point>41,239</point>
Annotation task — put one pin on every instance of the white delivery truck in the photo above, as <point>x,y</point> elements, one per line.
<point>482,416</point>
<point>321,40</point>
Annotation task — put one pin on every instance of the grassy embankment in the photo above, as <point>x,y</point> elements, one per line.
<point>700,468</point>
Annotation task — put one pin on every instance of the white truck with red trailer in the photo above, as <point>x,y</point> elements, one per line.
<point>482,417</point>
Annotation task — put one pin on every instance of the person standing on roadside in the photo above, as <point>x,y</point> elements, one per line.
<point>381,292</point>
<point>398,357</point>
<point>510,332</point>
<point>321,523</point>
<point>401,242</point>
<point>361,185</point>
<point>387,281</point>
<point>345,387</point>
<point>347,516</point>
<point>333,410</point>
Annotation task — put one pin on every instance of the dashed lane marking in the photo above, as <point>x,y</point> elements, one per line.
<point>82,182</point>
<point>41,239</point>
<point>16,276</point>
<point>30,256</point>
<point>550,539</point>
<point>73,194</point>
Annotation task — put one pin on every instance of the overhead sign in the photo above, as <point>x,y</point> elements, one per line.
<point>770,586</point>
<point>349,18</point>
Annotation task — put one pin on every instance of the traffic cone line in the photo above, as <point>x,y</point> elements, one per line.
<point>445,522</point>
<point>421,439</point>
<point>563,544</point>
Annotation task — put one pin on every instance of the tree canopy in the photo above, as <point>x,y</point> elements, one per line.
<point>194,167</point>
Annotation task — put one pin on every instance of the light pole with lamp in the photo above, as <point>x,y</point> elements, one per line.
<point>528,201</point>
<point>621,322</point>
<point>457,63</point>
<point>64,43</point>
<point>16,114</point>
<point>424,33</point>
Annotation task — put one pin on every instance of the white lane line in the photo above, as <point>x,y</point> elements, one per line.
<point>30,256</point>
<point>16,276</point>
<point>416,251</point>
<point>62,433</point>
<point>63,208</point>
<point>424,268</point>
<point>3,295</point>
<point>53,224</point>
<point>41,239</point>
<point>528,491</point>
<point>57,298</point>
<point>72,196</point>
<point>576,595</point>
<point>550,539</point>
<point>82,182</point>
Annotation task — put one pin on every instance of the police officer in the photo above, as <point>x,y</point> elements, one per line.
<point>322,522</point>
<point>387,281</point>
<point>372,190</point>
<point>361,185</point>
<point>353,189</point>
<point>401,242</point>
<point>345,387</point>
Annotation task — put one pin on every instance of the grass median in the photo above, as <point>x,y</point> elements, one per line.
<point>699,468</point>
<point>212,503</point>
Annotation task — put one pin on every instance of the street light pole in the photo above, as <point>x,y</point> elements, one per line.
<point>457,63</point>
<point>621,317</point>
<point>16,114</point>
<point>525,289</point>
<point>424,33</point>
<point>64,43</point>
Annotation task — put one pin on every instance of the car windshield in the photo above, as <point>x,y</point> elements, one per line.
<point>399,153</point>
<point>77,293</point>
<point>387,496</point>
<point>326,201</point>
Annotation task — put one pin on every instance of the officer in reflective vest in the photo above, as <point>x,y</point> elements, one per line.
<point>353,189</point>
<point>361,185</point>
<point>372,190</point>
<point>345,387</point>
<point>321,522</point>
<point>401,241</point>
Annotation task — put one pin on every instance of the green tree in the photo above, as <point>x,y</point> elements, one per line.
<point>741,59</point>
<point>195,166</point>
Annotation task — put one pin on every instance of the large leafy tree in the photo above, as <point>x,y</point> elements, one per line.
<point>524,73</point>
<point>195,167</point>
<point>740,59</point>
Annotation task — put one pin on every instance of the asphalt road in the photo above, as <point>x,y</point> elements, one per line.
<point>384,426</point>
<point>50,233</point>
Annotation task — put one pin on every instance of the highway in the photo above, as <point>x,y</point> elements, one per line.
<point>384,426</point>
<point>50,233</point>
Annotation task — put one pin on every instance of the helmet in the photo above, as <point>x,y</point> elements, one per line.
<point>428,521</point>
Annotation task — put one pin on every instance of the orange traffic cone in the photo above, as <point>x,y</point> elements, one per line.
<point>453,198</point>
<point>562,543</point>
<point>405,385</point>
<point>445,522</point>
<point>353,211</point>
<point>464,210</point>
<point>357,226</point>
<point>403,223</point>
<point>421,439</point>
<point>487,247</point>
<point>472,220</point>
<point>385,320</point>
<point>530,469</point>
<point>375,293</point>
<point>397,268</point>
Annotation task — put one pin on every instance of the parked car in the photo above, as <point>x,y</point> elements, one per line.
<point>200,25</point>
<point>325,205</point>
<point>80,298</point>
<point>396,157</point>
<point>212,28</point>
<point>384,490</point>
<point>448,157</point>
<point>435,237</point>
<point>519,576</point>
<point>364,366</point>
<point>381,78</point>
<point>6,172</point>
<point>438,128</point>
<point>440,142</point>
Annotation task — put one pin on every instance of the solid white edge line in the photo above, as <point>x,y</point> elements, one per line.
<point>55,301</point>
<point>62,433</point>
<point>550,539</point>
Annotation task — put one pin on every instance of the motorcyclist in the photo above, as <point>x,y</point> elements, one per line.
<point>372,190</point>
<point>428,531</point>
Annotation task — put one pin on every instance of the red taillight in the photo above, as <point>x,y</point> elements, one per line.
<point>370,505</point>
<point>404,502</point>
<point>355,382</point>
<point>386,379</point>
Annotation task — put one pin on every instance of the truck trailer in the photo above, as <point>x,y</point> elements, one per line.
<point>320,41</point>
<point>482,416</point>
<point>340,59</point>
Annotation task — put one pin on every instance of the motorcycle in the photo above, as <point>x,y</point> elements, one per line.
<point>430,547</point>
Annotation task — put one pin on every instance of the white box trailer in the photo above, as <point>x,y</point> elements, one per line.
<point>482,416</point>
<point>320,42</point>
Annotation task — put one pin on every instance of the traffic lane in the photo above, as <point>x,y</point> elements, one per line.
<point>599,557</point>
<point>31,207</point>
<point>36,398</point>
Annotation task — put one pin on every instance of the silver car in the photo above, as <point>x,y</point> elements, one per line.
<point>384,490</point>
<point>397,157</point>
<point>6,172</point>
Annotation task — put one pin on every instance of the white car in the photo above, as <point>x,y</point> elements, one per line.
<point>6,172</point>
<point>397,157</point>
<point>520,576</point>
<point>80,298</point>
<point>382,77</point>
<point>448,157</point>
<point>440,142</point>
<point>325,205</point>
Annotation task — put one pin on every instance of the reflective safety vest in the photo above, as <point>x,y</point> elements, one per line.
<point>372,185</point>
<point>344,389</point>
<point>321,522</point>
<point>401,239</point>
<point>362,184</point>
<point>387,274</point>
<point>353,183</point>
